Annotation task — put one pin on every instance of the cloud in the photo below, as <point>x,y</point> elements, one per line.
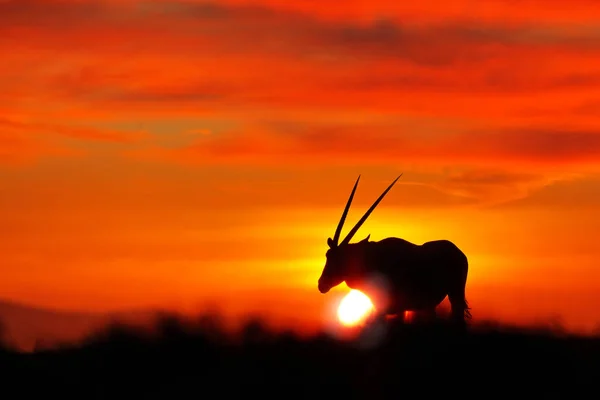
<point>494,186</point>
<point>377,144</point>
<point>432,11</point>
<point>205,29</point>
<point>218,58</point>
<point>146,59</point>
<point>576,194</point>
<point>87,62</point>
<point>471,166</point>
<point>75,132</point>
<point>18,150</point>
<point>19,146</point>
<point>268,26</point>
<point>27,142</point>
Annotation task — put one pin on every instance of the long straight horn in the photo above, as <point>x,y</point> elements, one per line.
<point>338,230</point>
<point>369,211</point>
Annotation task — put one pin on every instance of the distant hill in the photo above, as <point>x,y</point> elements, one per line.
<point>27,327</point>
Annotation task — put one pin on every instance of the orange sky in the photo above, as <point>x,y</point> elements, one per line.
<point>169,153</point>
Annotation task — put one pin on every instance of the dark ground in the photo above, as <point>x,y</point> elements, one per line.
<point>197,360</point>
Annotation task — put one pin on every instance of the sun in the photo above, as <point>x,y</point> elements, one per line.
<point>354,308</point>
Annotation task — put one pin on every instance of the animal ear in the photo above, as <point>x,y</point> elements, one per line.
<point>329,243</point>
<point>367,238</point>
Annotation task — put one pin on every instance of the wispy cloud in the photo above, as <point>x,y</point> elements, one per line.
<point>252,54</point>
<point>26,142</point>
<point>509,87</point>
<point>384,144</point>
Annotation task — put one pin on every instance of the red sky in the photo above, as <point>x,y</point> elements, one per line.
<point>169,153</point>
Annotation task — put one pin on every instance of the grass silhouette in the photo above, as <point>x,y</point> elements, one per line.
<point>199,358</point>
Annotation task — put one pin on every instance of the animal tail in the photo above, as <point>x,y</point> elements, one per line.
<point>460,306</point>
<point>467,309</point>
<point>457,297</point>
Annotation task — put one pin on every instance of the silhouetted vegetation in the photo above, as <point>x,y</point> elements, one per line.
<point>198,358</point>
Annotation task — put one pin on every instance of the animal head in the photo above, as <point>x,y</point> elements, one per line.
<point>339,256</point>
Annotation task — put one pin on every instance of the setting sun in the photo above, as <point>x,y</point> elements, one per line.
<point>354,307</point>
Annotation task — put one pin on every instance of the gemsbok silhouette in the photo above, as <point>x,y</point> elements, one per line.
<point>396,274</point>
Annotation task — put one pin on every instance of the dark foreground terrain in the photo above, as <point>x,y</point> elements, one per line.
<point>196,359</point>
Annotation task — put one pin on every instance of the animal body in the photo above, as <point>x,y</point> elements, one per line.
<point>396,274</point>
